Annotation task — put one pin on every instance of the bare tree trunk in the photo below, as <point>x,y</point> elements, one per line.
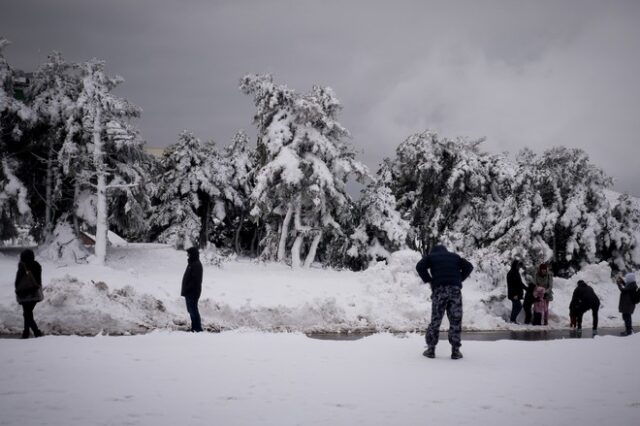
<point>48,212</point>
<point>101,190</point>
<point>312,250</point>
<point>237,236</point>
<point>76,194</point>
<point>284,231</point>
<point>205,201</point>
<point>295,250</point>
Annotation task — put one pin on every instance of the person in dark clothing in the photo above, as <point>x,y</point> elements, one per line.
<point>192,287</point>
<point>584,299</point>
<point>29,270</point>
<point>627,287</point>
<point>515,290</point>
<point>445,272</point>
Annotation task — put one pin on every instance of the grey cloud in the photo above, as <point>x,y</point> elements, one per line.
<point>533,74</point>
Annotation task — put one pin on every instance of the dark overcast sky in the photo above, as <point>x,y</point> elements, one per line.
<point>523,74</point>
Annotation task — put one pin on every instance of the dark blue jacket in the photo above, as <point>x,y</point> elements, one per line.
<point>440,267</point>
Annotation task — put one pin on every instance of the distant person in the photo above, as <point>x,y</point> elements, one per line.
<point>539,305</point>
<point>626,306</point>
<point>527,304</point>
<point>544,279</point>
<point>445,272</point>
<point>192,287</point>
<point>515,290</point>
<point>583,300</point>
<point>28,287</point>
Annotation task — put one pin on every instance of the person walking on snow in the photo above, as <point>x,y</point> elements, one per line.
<point>445,272</point>
<point>192,287</point>
<point>515,290</point>
<point>627,287</point>
<point>28,287</point>
<point>544,279</point>
<point>583,300</point>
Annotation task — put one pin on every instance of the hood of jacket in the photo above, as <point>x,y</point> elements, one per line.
<point>439,248</point>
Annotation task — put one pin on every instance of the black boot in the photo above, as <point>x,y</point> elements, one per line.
<point>455,353</point>
<point>37,332</point>
<point>25,334</point>
<point>430,352</point>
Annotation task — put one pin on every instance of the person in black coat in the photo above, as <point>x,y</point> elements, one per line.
<point>29,270</point>
<point>515,290</point>
<point>583,300</point>
<point>192,287</point>
<point>627,287</point>
<point>445,272</point>
<point>527,304</point>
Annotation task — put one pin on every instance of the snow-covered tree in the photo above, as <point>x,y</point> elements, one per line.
<point>187,191</point>
<point>240,163</point>
<point>442,187</point>
<point>380,227</point>
<point>52,95</point>
<point>304,163</point>
<point>14,117</point>
<point>100,128</point>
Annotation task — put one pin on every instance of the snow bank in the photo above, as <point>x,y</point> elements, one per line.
<point>139,289</point>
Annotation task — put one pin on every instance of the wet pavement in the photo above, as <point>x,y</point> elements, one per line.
<point>492,336</point>
<point>486,336</point>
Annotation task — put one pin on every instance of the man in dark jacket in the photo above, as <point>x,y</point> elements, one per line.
<point>627,287</point>
<point>515,290</point>
<point>445,272</point>
<point>192,287</point>
<point>584,299</point>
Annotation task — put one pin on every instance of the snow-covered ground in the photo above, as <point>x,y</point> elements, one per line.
<point>254,378</point>
<point>139,289</point>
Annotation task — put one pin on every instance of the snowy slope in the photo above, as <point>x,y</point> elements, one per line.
<point>139,289</point>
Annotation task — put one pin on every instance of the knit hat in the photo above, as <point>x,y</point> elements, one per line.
<point>630,278</point>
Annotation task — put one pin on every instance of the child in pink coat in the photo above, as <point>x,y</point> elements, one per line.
<point>539,305</point>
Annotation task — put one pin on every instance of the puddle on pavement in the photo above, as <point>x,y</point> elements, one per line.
<point>491,336</point>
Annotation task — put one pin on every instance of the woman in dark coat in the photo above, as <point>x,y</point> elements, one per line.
<point>627,287</point>
<point>584,299</point>
<point>29,269</point>
<point>515,290</point>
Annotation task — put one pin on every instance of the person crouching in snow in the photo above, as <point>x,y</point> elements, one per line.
<point>445,272</point>
<point>626,306</point>
<point>582,300</point>
<point>192,287</point>
<point>539,305</point>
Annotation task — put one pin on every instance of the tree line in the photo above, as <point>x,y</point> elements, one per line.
<point>71,154</point>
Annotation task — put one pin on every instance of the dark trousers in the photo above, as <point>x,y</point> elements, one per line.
<point>528,304</point>
<point>594,312</point>
<point>447,299</point>
<point>627,323</point>
<point>27,313</point>
<point>516,307</point>
<point>194,313</point>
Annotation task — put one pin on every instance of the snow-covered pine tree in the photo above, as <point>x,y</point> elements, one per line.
<point>442,187</point>
<point>187,191</point>
<point>622,232</point>
<point>131,187</point>
<point>14,117</point>
<point>240,163</point>
<point>380,227</point>
<point>97,130</point>
<point>52,95</point>
<point>305,164</point>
